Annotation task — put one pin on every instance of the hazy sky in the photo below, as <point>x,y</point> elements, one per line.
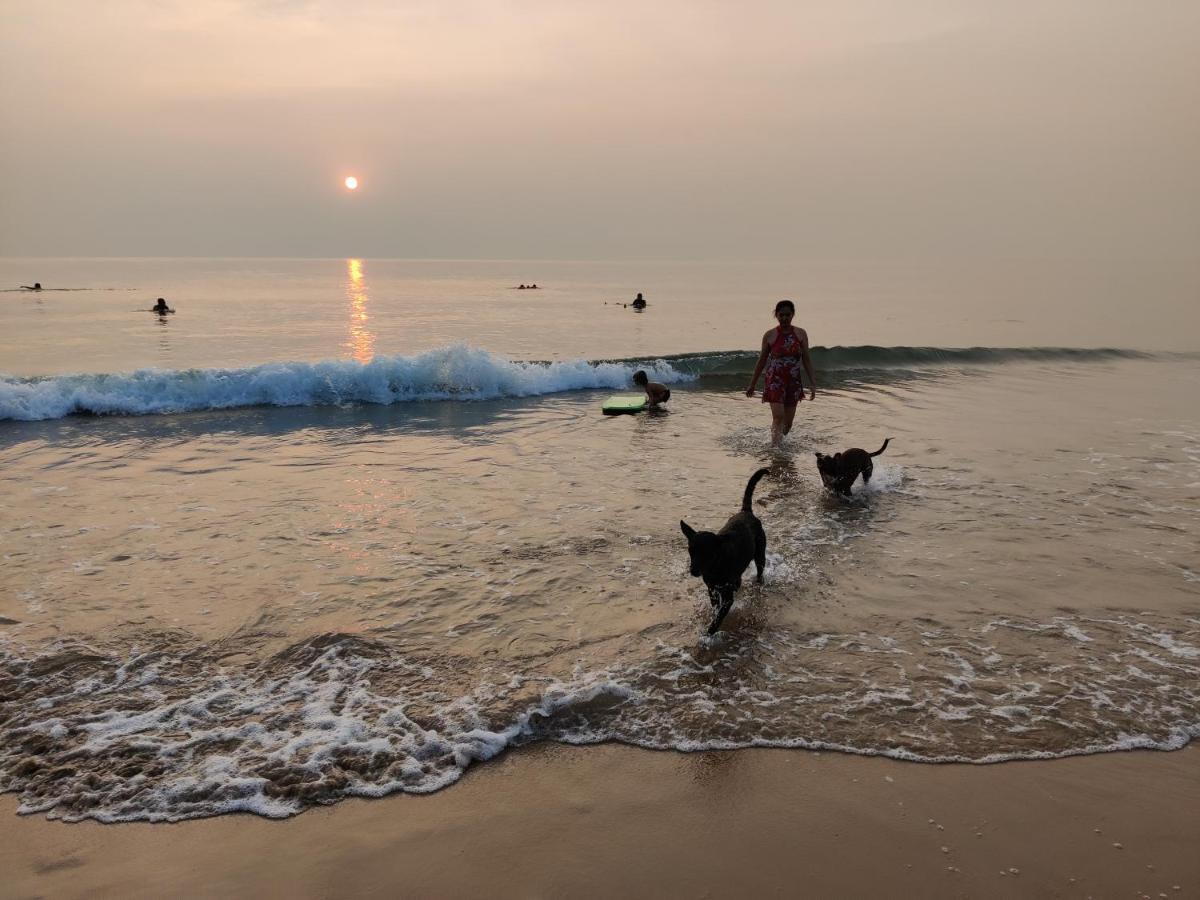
<point>583,130</point>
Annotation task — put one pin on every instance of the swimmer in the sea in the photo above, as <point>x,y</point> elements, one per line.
<point>639,302</point>
<point>36,286</point>
<point>161,307</point>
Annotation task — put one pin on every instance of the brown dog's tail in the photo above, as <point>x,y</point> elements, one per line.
<point>750,485</point>
<point>881,449</point>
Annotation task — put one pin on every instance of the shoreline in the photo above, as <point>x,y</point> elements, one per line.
<point>557,820</point>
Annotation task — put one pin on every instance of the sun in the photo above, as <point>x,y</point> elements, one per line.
<point>351,183</point>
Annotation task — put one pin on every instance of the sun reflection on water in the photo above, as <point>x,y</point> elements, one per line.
<point>361,341</point>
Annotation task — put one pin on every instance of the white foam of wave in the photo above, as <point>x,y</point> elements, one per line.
<point>457,372</point>
<point>785,569</point>
<point>1175,740</point>
<point>230,741</point>
<point>1072,630</point>
<point>885,479</point>
<point>304,725</point>
<point>970,698</point>
<point>1171,645</point>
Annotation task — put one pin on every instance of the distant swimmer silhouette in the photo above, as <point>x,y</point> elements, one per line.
<point>639,302</point>
<point>161,307</point>
<point>36,286</point>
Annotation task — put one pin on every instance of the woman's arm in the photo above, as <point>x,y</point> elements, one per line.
<point>808,367</point>
<point>762,361</point>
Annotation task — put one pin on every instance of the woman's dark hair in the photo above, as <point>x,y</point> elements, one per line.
<point>785,303</point>
<point>639,377</point>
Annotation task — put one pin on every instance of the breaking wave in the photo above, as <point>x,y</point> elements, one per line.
<point>458,372</point>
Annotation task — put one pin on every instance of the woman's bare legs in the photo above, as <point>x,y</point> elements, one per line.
<point>789,414</point>
<point>781,421</point>
<point>778,416</point>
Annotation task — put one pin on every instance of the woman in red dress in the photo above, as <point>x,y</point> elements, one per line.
<point>784,353</point>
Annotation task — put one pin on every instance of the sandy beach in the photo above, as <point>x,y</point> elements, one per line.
<point>617,821</point>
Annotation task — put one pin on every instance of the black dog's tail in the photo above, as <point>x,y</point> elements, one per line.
<point>750,485</point>
<point>881,449</point>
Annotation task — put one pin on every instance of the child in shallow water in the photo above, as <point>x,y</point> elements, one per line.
<point>655,393</point>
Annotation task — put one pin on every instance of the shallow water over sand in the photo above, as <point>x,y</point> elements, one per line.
<point>262,608</point>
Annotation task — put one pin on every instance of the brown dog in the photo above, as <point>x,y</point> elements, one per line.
<point>839,471</point>
<point>721,558</point>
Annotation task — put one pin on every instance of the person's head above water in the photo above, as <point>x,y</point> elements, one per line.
<point>785,307</point>
<point>639,377</point>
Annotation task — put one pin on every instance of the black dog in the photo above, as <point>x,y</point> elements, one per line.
<point>721,558</point>
<point>839,471</point>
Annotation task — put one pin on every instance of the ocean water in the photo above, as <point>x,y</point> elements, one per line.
<point>348,527</point>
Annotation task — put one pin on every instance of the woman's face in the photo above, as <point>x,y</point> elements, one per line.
<point>784,314</point>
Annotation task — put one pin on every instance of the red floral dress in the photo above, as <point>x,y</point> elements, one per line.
<point>784,368</point>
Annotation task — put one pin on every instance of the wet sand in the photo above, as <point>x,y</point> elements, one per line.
<point>552,820</point>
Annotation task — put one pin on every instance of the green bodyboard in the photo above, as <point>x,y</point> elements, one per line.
<point>624,403</point>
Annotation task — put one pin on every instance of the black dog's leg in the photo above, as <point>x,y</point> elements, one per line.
<point>867,470</point>
<point>726,603</point>
<point>760,552</point>
<point>714,597</point>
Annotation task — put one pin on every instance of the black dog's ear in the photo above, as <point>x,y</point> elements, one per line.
<point>687,530</point>
<point>837,457</point>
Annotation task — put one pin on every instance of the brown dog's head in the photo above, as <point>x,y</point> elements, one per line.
<point>702,545</point>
